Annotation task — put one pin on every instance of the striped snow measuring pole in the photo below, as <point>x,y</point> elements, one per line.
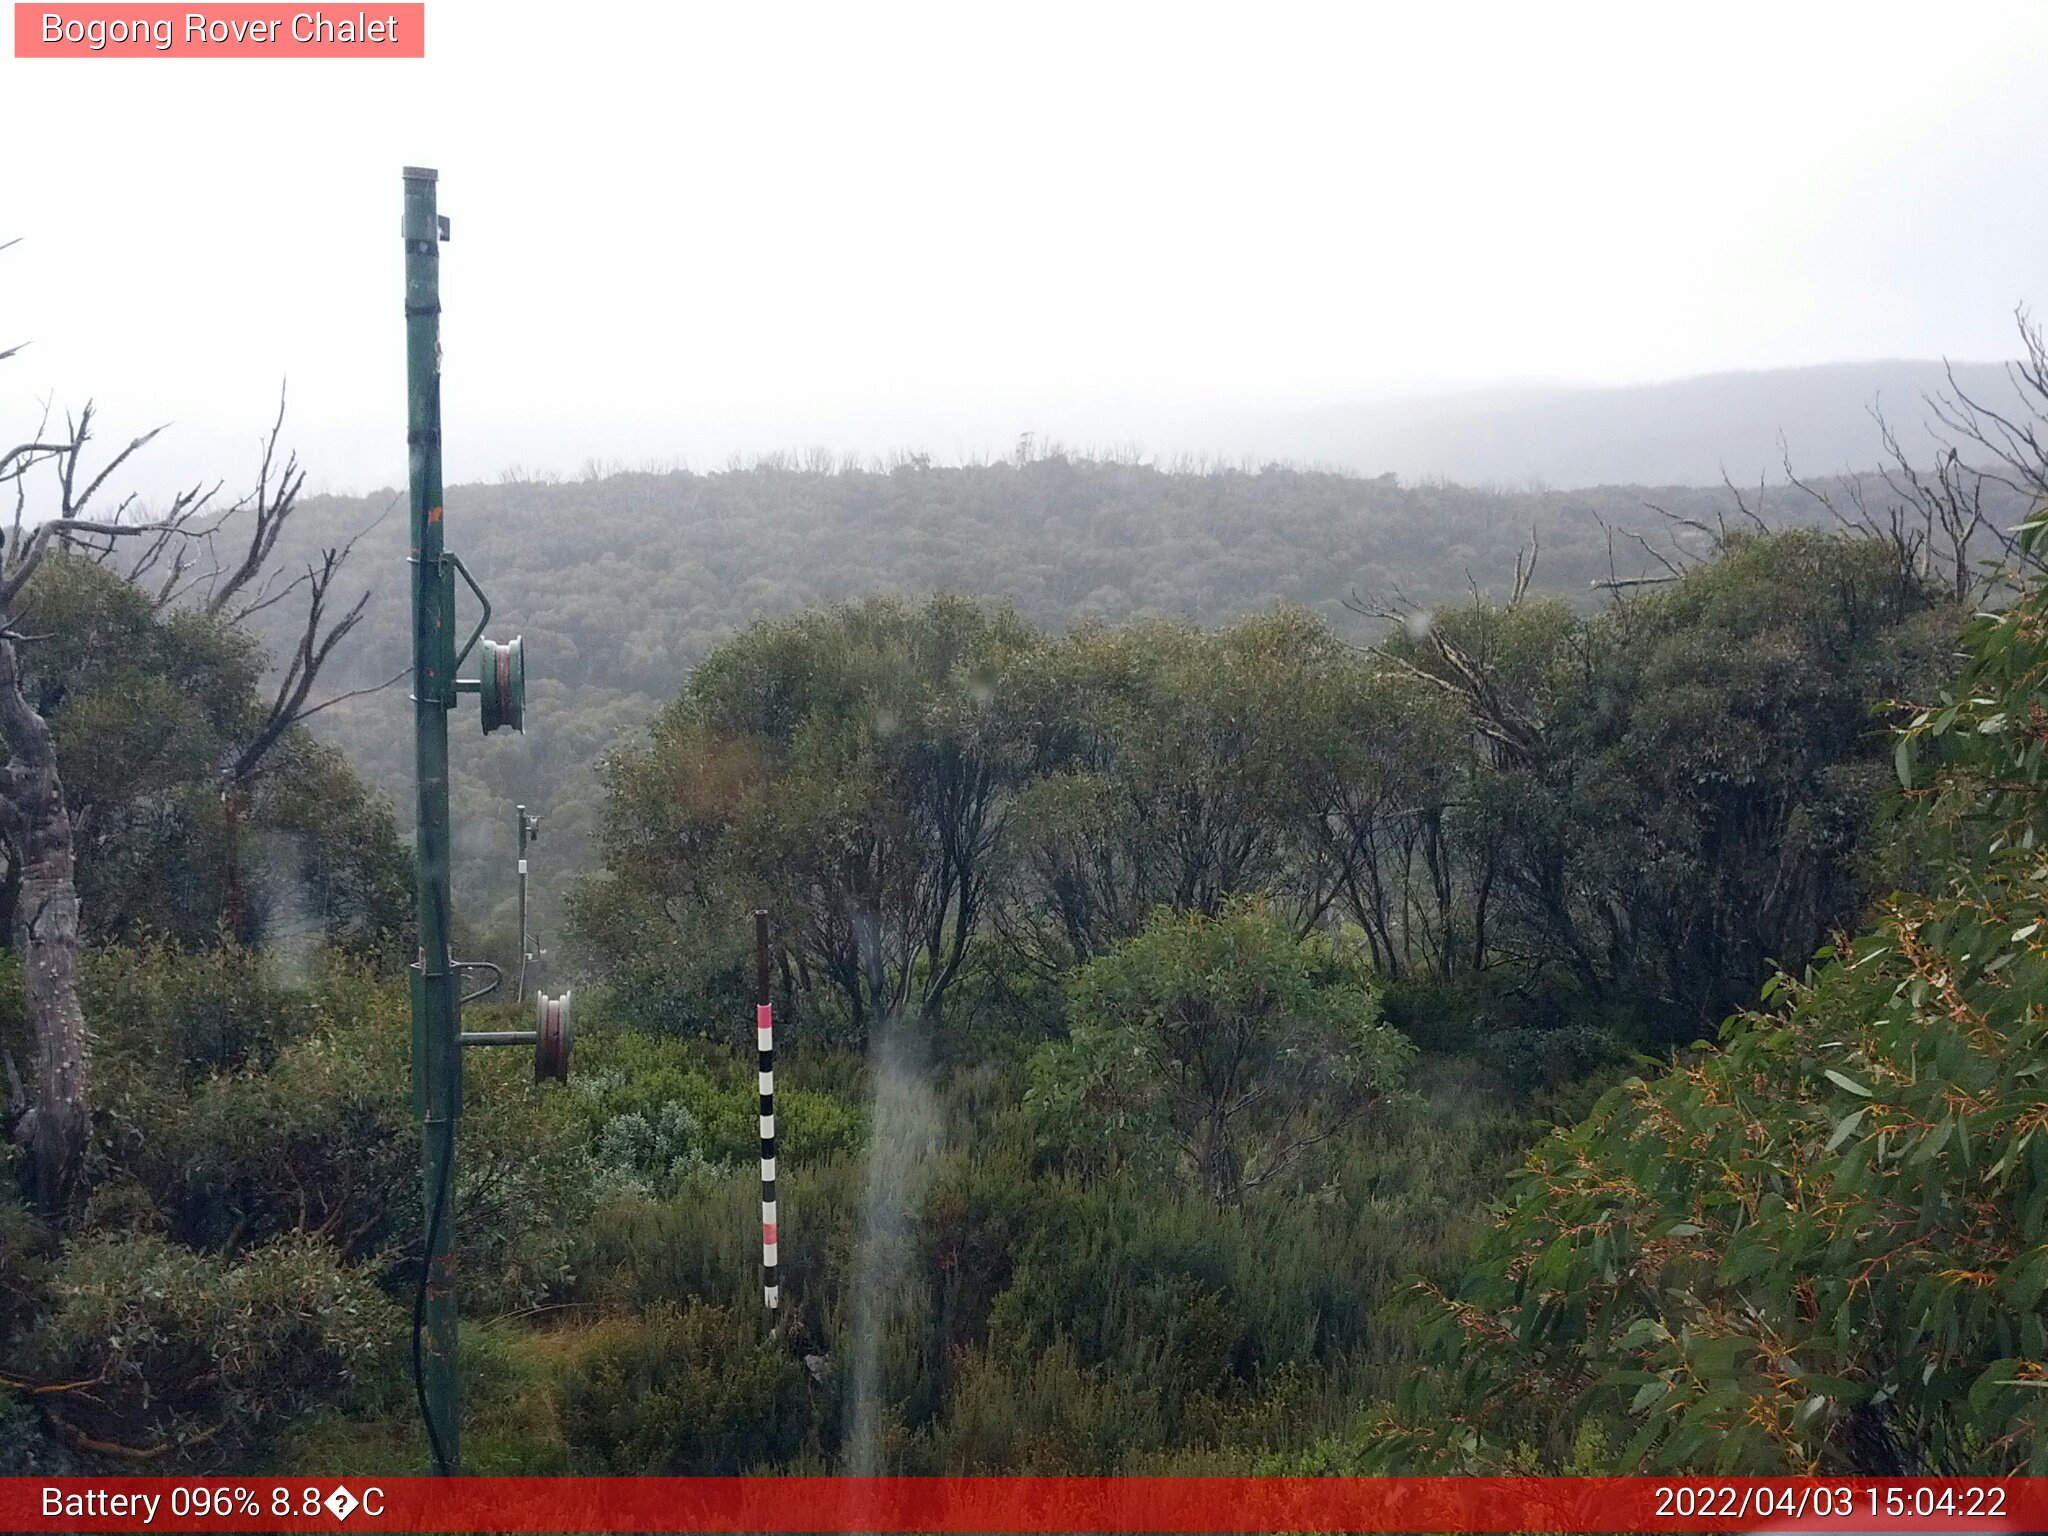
<point>764,1038</point>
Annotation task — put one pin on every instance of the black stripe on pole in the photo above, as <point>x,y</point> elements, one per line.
<point>764,1024</point>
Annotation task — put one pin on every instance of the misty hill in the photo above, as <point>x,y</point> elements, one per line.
<point>1685,432</point>
<point>620,584</point>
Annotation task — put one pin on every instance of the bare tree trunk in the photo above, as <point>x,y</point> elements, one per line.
<point>56,1123</point>
<point>10,895</point>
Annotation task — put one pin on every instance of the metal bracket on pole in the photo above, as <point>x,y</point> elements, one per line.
<point>497,979</point>
<point>483,618</point>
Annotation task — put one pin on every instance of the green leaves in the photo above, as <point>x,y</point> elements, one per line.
<point>850,769</point>
<point>189,1349</point>
<point>1220,1049</point>
<point>1722,1260</point>
<point>146,708</point>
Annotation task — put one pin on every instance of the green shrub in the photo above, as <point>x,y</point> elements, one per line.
<point>180,1353</point>
<point>1222,1051</point>
<point>1046,1414</point>
<point>313,1133</point>
<point>1542,1029</point>
<point>511,1373</point>
<point>27,1446</point>
<point>196,1012</point>
<point>322,1141</point>
<point>659,1113</point>
<point>26,1247</point>
<point>689,1391</point>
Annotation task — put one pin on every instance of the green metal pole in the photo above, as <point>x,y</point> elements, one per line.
<point>437,1059</point>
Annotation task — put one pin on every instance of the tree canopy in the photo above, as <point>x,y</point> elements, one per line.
<point>1221,1049</point>
<point>1618,820</point>
<point>1820,1247</point>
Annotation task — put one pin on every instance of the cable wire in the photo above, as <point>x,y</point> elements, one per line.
<point>419,1300</point>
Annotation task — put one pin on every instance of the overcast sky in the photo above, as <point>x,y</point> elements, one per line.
<point>686,229</point>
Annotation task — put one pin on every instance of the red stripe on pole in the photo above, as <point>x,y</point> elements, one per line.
<point>764,1035</point>
<point>1023,1504</point>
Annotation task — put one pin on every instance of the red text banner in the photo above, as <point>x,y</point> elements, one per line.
<point>226,31</point>
<point>1021,1504</point>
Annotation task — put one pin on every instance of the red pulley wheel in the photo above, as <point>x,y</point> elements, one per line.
<point>503,685</point>
<point>551,1052</point>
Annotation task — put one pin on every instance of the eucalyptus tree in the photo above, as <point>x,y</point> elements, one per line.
<point>1384,815</point>
<point>145,706</point>
<point>1178,778</point>
<point>1676,792</point>
<point>851,770</point>
<point>1729,759</point>
<point>1221,1049</point>
<point>223,563</point>
<point>61,510</point>
<point>35,818</point>
<point>1823,1246</point>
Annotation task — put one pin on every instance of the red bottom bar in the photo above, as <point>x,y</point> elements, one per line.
<point>1022,1504</point>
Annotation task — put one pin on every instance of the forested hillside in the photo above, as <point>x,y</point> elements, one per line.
<point>621,584</point>
<point>1271,1036</point>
